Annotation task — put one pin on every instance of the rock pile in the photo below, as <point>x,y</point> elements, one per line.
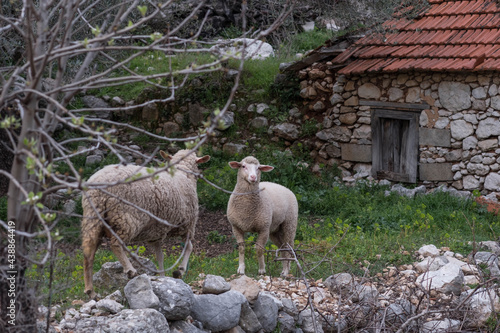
<point>442,291</point>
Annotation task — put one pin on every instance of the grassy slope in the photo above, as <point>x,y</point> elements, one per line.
<point>386,229</point>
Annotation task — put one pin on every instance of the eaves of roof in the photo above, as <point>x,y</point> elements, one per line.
<point>452,35</point>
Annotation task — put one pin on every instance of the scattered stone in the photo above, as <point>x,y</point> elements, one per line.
<point>447,279</point>
<point>127,321</point>
<point>247,286</point>
<point>410,193</point>
<point>492,246</point>
<point>266,310</point>
<point>225,122</point>
<point>342,283</point>
<point>150,112</point>
<point>440,326</point>
<point>115,296</point>
<point>234,148</point>
<point>365,294</point>
<point>176,297</point>
<point>215,285</point>
<point>259,122</point>
<point>248,319</point>
<point>310,321</point>
<point>109,305</point>
<point>96,103</point>
<point>482,304</point>
<point>111,276</point>
<point>489,259</point>
<point>181,326</point>
<point>170,128</point>
<point>93,159</point>
<point>287,131</point>
<point>250,48</point>
<point>398,312</point>
<point>139,293</point>
<point>429,251</point>
<point>218,312</point>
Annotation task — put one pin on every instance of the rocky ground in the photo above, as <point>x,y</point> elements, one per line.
<point>441,292</point>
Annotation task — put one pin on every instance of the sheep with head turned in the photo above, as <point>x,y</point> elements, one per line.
<point>269,209</point>
<point>166,197</point>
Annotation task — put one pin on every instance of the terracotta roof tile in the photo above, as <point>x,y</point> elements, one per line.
<point>452,35</point>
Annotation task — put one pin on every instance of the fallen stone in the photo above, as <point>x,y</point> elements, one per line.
<point>447,279</point>
<point>218,312</point>
<point>139,293</point>
<point>266,310</point>
<point>126,321</point>
<point>215,285</point>
<point>481,305</point>
<point>176,297</point>
<point>247,286</point>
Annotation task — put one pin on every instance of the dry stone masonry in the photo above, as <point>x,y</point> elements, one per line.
<point>437,293</point>
<point>454,125</point>
<point>458,121</point>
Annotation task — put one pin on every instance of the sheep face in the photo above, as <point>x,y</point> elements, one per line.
<point>250,169</point>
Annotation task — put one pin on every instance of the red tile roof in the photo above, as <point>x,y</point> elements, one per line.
<point>451,35</point>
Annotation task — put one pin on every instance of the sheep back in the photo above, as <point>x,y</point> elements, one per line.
<point>283,203</point>
<point>171,198</point>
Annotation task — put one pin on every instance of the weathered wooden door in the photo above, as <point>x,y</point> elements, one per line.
<point>395,145</point>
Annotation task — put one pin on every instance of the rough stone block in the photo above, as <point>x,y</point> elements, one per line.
<point>434,137</point>
<point>356,153</point>
<point>436,171</point>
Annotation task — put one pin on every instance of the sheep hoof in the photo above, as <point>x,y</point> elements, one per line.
<point>91,294</point>
<point>177,274</point>
<point>132,273</point>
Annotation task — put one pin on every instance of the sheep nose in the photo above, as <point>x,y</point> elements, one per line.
<point>252,177</point>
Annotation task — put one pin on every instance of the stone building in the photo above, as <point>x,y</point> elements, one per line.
<point>419,103</point>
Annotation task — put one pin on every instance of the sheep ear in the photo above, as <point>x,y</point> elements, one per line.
<point>234,164</point>
<point>165,155</point>
<point>266,168</point>
<point>203,159</point>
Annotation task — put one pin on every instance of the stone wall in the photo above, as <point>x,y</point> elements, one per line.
<point>458,131</point>
<point>458,135</point>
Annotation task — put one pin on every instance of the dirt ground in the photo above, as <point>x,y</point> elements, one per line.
<point>209,238</point>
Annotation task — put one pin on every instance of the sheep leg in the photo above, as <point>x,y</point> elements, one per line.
<point>159,256</point>
<point>92,232</point>
<point>90,246</point>
<point>260,246</point>
<point>122,257</point>
<point>284,248</point>
<point>185,259</point>
<point>240,239</point>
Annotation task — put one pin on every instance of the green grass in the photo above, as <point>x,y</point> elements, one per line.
<point>153,63</point>
<point>308,40</point>
<point>327,244</point>
<point>258,75</point>
<point>340,228</point>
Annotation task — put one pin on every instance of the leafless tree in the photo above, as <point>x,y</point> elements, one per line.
<point>59,50</point>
